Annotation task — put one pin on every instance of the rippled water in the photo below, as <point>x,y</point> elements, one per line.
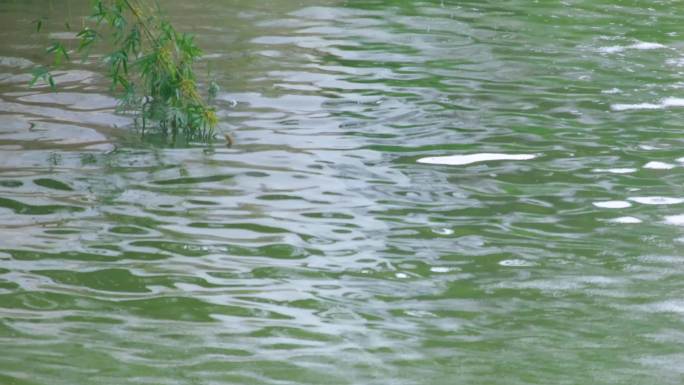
<point>318,250</point>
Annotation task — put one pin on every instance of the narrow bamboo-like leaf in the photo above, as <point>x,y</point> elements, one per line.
<point>39,24</point>
<point>42,73</point>
<point>51,81</point>
<point>87,37</point>
<point>37,73</point>
<point>59,51</point>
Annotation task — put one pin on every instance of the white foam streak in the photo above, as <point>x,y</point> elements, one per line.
<point>677,220</point>
<point>642,46</point>
<point>647,46</point>
<point>515,263</point>
<point>626,220</point>
<point>612,91</point>
<point>612,204</point>
<point>673,102</point>
<point>678,62</point>
<point>639,106</point>
<point>616,170</point>
<point>659,165</point>
<point>665,103</point>
<point>657,200</point>
<point>459,160</point>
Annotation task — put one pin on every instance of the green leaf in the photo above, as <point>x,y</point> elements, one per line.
<point>44,74</point>
<point>213,90</point>
<point>132,41</point>
<point>37,73</point>
<point>87,37</point>
<point>99,12</point>
<point>149,64</point>
<point>60,52</point>
<point>39,24</point>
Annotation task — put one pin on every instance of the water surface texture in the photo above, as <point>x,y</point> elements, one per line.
<point>548,249</point>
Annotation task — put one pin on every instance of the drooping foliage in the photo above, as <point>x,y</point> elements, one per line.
<point>150,65</point>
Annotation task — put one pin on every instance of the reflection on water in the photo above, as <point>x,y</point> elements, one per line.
<point>546,250</point>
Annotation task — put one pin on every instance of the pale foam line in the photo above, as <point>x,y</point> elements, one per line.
<point>659,165</point>
<point>657,200</point>
<point>459,160</point>
<point>612,91</point>
<point>639,106</point>
<point>647,46</point>
<point>679,62</point>
<point>612,204</point>
<point>612,49</point>
<point>626,220</point>
<point>665,103</point>
<point>677,220</point>
<point>642,46</point>
<point>616,170</point>
<point>515,263</point>
<point>673,102</point>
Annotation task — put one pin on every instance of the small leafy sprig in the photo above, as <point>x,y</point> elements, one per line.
<point>150,65</point>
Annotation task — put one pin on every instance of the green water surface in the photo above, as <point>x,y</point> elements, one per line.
<point>318,250</point>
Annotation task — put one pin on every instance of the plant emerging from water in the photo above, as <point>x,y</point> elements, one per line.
<point>150,65</point>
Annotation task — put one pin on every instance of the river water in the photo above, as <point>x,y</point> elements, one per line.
<point>324,248</point>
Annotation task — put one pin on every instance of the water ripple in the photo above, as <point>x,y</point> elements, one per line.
<point>317,247</point>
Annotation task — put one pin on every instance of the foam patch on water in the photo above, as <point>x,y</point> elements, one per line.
<point>655,165</point>
<point>647,46</point>
<point>420,313</point>
<point>677,220</point>
<point>665,103</point>
<point>612,49</point>
<point>626,220</point>
<point>515,263</point>
<point>678,62</point>
<point>638,106</point>
<point>612,204</point>
<point>443,231</point>
<point>642,46</point>
<point>440,269</point>
<point>401,275</point>
<point>612,91</point>
<point>673,102</point>
<point>459,160</point>
<point>616,170</point>
<point>657,200</point>
<point>668,306</point>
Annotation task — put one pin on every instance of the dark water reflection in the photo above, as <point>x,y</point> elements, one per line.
<point>318,250</point>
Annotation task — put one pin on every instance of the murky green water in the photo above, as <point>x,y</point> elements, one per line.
<point>319,250</point>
